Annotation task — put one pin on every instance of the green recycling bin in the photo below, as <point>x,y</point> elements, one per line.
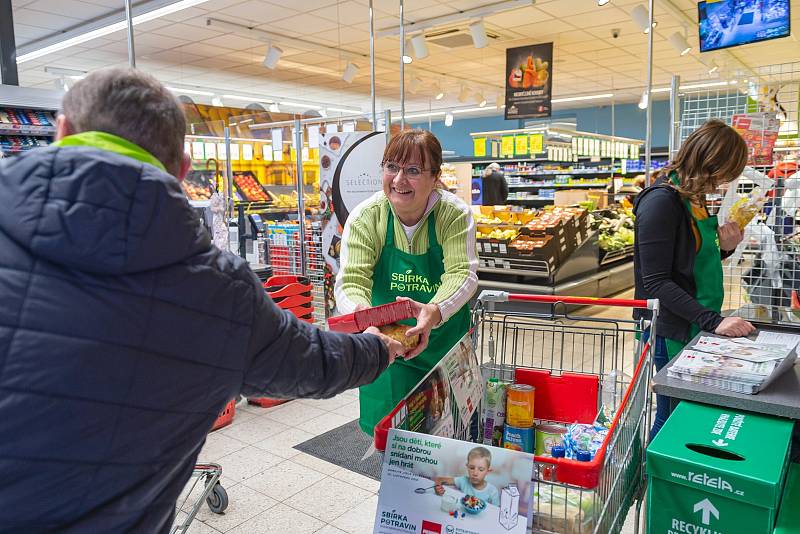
<point>713,470</point>
<point>789,515</point>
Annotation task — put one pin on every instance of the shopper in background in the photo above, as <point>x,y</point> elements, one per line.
<point>679,247</point>
<point>494,189</point>
<point>412,240</point>
<point>123,331</point>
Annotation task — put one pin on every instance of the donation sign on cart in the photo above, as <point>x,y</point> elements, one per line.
<point>438,485</point>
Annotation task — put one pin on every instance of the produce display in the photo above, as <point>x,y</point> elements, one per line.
<point>197,186</point>
<point>249,187</point>
<point>615,227</point>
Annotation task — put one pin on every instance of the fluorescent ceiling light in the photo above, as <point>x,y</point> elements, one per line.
<point>299,105</point>
<point>478,31</point>
<point>248,98</point>
<point>182,91</point>
<point>448,120</point>
<point>109,29</point>
<point>72,73</point>
<point>601,3</point>
<point>272,57</point>
<point>216,101</point>
<point>407,59</point>
<point>586,97</point>
<point>426,114</point>
<point>420,46</point>
<point>273,108</point>
<point>480,100</point>
<point>661,90</point>
<point>343,110</point>
<point>469,110</point>
<point>350,72</point>
<point>679,43</point>
<point>713,67</point>
<point>701,85</point>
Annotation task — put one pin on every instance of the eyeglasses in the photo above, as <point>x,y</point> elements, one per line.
<point>391,168</point>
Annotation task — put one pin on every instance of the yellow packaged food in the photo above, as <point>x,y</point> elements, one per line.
<point>746,208</point>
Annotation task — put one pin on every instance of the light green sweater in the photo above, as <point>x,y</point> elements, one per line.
<point>365,235</point>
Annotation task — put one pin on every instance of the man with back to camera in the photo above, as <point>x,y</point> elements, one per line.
<point>123,331</point>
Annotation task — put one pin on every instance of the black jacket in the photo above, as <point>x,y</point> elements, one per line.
<point>663,262</point>
<point>494,189</point>
<point>123,334</point>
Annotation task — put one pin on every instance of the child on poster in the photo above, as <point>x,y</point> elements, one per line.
<point>479,464</point>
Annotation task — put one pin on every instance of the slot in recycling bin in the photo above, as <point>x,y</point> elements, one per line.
<point>716,471</point>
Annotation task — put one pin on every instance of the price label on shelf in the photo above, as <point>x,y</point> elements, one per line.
<point>247,152</point>
<point>187,147</point>
<point>479,147</point>
<point>266,152</point>
<point>222,152</point>
<point>277,155</point>
<point>197,150</point>
<point>313,136</point>
<point>304,154</point>
<point>507,146</point>
<point>277,137</point>
<point>211,150</point>
<point>234,151</point>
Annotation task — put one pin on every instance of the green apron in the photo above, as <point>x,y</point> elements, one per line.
<point>707,273</point>
<point>388,283</point>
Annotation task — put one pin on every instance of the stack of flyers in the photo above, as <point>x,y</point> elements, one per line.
<point>739,364</point>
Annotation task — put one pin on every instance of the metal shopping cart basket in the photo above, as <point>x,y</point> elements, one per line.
<point>567,356</point>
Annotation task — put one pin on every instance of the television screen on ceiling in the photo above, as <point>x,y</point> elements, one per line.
<point>725,23</point>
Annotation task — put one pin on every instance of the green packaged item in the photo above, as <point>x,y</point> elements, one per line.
<point>715,470</point>
<point>494,415</point>
<point>788,521</point>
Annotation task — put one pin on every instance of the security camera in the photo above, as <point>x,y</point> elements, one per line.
<point>615,33</point>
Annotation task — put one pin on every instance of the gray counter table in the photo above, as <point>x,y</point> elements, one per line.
<point>781,398</point>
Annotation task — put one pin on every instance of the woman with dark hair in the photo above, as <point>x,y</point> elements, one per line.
<point>412,240</point>
<point>679,247</point>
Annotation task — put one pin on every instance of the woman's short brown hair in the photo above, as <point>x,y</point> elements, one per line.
<point>712,155</point>
<point>411,144</point>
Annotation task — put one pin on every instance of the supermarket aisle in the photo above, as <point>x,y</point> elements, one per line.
<point>274,488</point>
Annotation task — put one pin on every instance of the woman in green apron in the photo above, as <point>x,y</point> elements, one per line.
<point>679,247</point>
<point>413,240</point>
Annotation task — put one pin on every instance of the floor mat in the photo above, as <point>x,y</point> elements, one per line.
<point>345,446</point>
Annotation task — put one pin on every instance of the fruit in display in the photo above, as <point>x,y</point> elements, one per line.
<point>196,192</point>
<point>515,78</point>
<point>250,188</point>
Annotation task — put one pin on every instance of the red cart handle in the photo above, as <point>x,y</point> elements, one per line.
<point>503,296</point>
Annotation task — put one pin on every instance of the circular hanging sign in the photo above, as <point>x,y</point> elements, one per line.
<point>358,174</point>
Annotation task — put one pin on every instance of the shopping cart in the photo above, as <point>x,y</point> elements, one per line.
<point>575,363</point>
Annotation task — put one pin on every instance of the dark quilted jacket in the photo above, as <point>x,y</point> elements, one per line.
<point>123,333</point>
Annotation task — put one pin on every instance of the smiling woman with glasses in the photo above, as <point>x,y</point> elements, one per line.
<point>412,240</point>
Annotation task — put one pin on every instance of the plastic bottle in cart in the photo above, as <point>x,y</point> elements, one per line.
<point>557,451</point>
<point>612,390</point>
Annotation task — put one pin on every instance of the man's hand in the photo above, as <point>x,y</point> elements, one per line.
<point>729,236</point>
<point>395,348</point>
<point>428,316</point>
<point>734,327</point>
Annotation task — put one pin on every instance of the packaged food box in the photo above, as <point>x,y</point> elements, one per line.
<point>375,316</point>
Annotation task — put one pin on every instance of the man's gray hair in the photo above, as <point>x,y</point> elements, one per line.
<point>133,105</point>
<point>492,167</point>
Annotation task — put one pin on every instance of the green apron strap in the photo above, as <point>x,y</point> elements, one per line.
<point>390,230</point>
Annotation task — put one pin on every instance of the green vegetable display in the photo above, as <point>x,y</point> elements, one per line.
<point>615,228</point>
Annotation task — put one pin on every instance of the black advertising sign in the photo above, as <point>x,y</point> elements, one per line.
<point>529,81</point>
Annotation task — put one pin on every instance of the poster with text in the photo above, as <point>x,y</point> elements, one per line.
<point>349,173</point>
<point>529,81</point>
<point>436,485</point>
<point>759,131</point>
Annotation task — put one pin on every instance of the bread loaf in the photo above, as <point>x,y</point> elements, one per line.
<point>398,333</point>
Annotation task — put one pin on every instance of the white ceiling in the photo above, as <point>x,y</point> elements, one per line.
<point>181,49</point>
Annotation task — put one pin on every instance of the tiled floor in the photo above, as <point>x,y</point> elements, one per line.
<point>274,488</point>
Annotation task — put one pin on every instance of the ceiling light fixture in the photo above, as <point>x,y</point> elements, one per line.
<point>216,101</point>
<point>448,120</point>
<point>585,97</point>
<point>641,17</point>
<point>420,46</point>
<point>182,91</point>
<point>343,110</point>
<point>272,57</point>
<point>72,73</point>
<point>478,31</point>
<point>248,99</point>
<point>438,92</point>
<point>601,3</point>
<point>407,60</point>
<point>463,94</point>
<point>300,105</point>
<point>643,100</point>
<point>480,100</point>
<point>470,110</point>
<point>108,29</point>
<point>273,108</point>
<point>350,72</point>
<point>679,43</point>
<point>713,67</point>
<point>426,114</point>
<point>702,85</point>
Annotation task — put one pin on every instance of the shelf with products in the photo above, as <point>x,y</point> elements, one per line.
<point>23,129</point>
